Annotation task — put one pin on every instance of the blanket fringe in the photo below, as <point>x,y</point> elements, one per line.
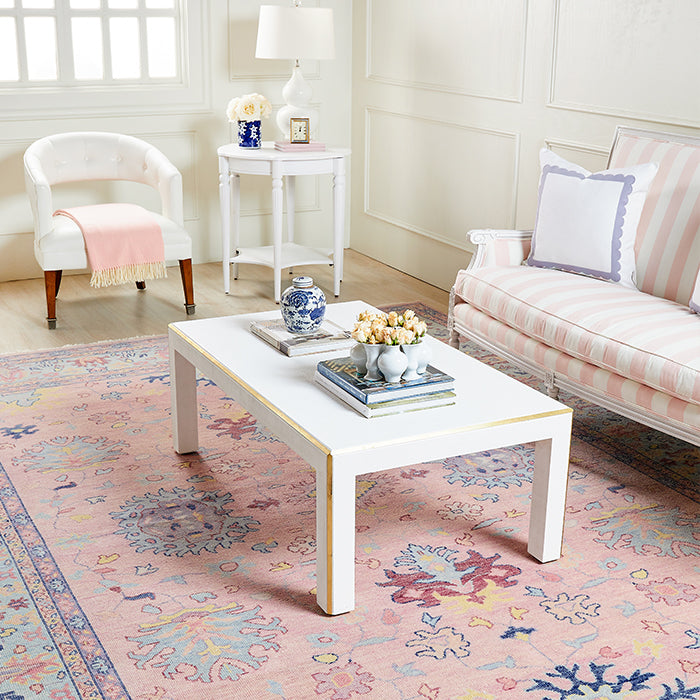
<point>128,273</point>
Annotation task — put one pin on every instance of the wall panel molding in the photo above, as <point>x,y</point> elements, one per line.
<point>493,69</point>
<point>437,181</point>
<point>591,157</point>
<point>598,67</point>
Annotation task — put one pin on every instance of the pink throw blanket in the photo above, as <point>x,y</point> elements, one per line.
<point>124,242</point>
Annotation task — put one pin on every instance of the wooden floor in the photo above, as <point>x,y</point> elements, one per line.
<point>86,315</point>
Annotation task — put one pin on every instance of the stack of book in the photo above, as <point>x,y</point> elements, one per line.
<point>329,336</point>
<point>339,376</point>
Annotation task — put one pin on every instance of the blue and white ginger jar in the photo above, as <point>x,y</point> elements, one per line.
<point>303,306</point>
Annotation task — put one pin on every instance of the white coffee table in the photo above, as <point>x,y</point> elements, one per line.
<point>492,411</point>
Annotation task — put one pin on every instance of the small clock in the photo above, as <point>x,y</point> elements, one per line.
<point>299,130</point>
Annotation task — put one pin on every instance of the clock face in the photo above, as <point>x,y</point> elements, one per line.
<point>299,130</point>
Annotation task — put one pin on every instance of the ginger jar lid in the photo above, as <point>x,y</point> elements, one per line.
<point>302,282</point>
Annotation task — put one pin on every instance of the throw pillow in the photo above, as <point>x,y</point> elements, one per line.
<point>694,302</point>
<point>587,222</point>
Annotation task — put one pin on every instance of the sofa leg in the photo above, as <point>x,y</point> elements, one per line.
<point>52,281</point>
<point>453,336</point>
<point>140,285</point>
<point>187,285</point>
<point>550,386</point>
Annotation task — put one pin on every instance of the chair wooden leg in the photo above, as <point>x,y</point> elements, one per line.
<point>52,281</point>
<point>187,285</point>
<point>140,285</point>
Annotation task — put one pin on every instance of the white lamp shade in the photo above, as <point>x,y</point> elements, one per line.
<point>295,32</point>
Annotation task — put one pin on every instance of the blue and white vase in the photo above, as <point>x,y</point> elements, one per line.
<point>249,134</point>
<point>303,306</point>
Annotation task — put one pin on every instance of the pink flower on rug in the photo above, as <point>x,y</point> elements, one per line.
<point>343,682</point>
<point>236,429</point>
<point>669,591</point>
<point>434,573</point>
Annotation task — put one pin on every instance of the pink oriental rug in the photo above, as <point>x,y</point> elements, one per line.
<point>128,571</point>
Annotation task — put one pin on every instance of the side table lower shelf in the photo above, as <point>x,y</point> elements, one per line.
<point>293,255</point>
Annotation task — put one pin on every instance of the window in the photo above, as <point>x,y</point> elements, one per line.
<point>88,48</point>
<point>88,40</point>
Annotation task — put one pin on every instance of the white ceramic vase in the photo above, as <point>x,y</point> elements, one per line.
<point>424,357</point>
<point>392,363</point>
<point>372,353</point>
<point>412,353</point>
<point>359,359</point>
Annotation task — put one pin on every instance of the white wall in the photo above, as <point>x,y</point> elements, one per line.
<point>452,100</point>
<point>189,133</point>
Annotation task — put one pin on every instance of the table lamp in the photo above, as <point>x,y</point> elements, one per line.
<point>295,32</point>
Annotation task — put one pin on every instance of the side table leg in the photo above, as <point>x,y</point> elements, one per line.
<point>277,197</point>
<point>235,215</point>
<point>225,207</point>
<point>335,538</point>
<point>183,401</point>
<point>290,187</point>
<point>549,483</point>
<point>338,222</point>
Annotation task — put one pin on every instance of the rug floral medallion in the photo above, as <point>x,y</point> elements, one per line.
<point>128,571</point>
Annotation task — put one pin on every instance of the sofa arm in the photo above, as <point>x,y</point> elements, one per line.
<point>498,247</point>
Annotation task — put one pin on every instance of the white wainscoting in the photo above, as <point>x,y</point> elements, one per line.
<point>470,47</point>
<point>628,58</point>
<point>417,177</point>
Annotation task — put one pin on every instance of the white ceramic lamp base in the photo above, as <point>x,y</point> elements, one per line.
<point>297,95</point>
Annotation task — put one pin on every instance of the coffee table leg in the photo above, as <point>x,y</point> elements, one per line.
<point>183,400</point>
<point>335,538</point>
<point>549,492</point>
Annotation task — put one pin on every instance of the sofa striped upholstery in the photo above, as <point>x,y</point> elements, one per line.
<point>627,392</point>
<point>634,350</point>
<point>655,341</point>
<point>667,247</point>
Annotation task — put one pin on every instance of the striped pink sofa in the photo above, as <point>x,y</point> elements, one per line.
<point>634,351</point>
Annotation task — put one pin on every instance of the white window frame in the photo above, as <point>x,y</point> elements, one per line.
<point>187,91</point>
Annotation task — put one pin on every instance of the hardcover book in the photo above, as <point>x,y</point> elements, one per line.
<point>341,371</point>
<point>286,146</point>
<point>329,336</point>
<point>390,407</point>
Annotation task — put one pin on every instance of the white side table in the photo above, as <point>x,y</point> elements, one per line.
<point>234,162</point>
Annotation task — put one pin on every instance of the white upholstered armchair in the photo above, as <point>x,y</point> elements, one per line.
<point>94,155</point>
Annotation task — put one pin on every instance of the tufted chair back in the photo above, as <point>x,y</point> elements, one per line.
<point>97,155</point>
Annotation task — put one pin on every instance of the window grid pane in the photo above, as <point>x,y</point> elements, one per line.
<point>90,41</point>
<point>125,47</point>
<point>40,39</point>
<point>162,47</point>
<point>9,64</point>
<point>87,48</point>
